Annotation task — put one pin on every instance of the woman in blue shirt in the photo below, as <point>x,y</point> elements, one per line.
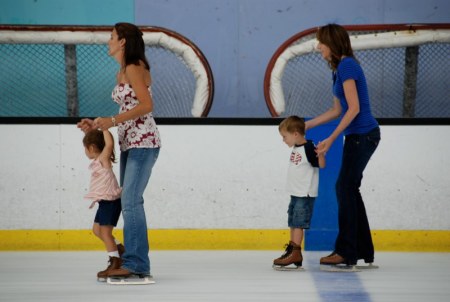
<point>362,135</point>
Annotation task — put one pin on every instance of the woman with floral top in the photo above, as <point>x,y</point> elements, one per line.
<point>138,138</point>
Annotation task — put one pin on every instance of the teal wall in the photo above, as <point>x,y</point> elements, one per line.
<point>238,37</point>
<point>66,12</point>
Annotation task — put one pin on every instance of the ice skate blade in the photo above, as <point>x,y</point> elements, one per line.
<point>131,280</point>
<point>367,266</point>
<point>339,268</point>
<point>287,268</point>
<point>101,279</point>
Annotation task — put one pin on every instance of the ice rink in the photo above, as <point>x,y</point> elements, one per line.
<point>223,276</point>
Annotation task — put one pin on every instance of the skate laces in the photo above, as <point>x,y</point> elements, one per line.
<point>288,251</point>
<point>110,262</point>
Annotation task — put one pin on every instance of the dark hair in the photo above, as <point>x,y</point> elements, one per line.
<point>134,50</point>
<point>293,124</point>
<point>337,39</point>
<point>96,138</point>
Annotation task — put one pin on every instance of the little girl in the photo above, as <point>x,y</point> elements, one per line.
<point>104,189</point>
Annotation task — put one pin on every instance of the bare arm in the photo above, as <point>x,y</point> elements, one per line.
<point>105,155</point>
<point>321,160</point>
<point>136,77</point>
<point>332,114</point>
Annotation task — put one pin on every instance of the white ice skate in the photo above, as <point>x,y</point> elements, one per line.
<point>347,268</point>
<point>131,280</point>
<point>367,266</point>
<point>343,268</point>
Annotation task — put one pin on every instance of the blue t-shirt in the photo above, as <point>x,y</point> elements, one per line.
<point>349,68</point>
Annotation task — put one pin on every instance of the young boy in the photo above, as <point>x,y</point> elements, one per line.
<point>302,185</point>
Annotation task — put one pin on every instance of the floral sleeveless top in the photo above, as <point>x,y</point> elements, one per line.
<point>140,132</point>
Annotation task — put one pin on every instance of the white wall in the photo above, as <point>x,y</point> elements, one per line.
<point>218,177</point>
<point>407,185</point>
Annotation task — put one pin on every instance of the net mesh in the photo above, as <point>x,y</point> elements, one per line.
<point>307,80</point>
<point>30,85</point>
<point>33,81</point>
<point>173,82</point>
<point>95,81</point>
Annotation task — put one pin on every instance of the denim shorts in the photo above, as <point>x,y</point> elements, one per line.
<point>108,212</point>
<point>300,212</point>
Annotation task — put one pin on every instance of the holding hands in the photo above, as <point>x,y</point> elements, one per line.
<point>104,123</point>
<point>324,146</point>
<point>101,123</point>
<point>86,125</point>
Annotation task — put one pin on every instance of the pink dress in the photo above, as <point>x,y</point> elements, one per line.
<point>104,184</point>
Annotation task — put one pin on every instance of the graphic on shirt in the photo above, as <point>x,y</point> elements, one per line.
<point>303,171</point>
<point>296,158</point>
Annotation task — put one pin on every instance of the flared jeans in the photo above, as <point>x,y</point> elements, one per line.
<point>135,169</point>
<point>354,240</point>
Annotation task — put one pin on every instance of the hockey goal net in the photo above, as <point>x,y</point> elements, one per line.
<point>65,71</point>
<point>407,68</point>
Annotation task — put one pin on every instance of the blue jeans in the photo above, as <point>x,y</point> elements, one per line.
<point>354,240</point>
<point>135,169</point>
<point>300,212</point>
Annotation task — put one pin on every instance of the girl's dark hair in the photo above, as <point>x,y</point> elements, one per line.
<point>96,138</point>
<point>134,50</point>
<point>293,124</point>
<point>337,39</point>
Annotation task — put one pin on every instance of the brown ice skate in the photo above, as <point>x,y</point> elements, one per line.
<point>292,255</point>
<point>336,263</point>
<point>332,259</point>
<point>119,272</point>
<point>114,263</point>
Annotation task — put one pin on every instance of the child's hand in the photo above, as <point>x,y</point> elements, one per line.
<point>86,125</point>
<point>93,204</point>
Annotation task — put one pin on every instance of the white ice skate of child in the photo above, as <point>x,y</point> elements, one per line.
<point>132,279</point>
<point>291,267</point>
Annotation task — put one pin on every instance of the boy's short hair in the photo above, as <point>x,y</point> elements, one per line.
<point>293,124</point>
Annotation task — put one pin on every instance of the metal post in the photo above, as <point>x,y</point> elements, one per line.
<point>70,54</point>
<point>410,84</point>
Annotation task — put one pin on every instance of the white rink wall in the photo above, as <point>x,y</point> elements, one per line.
<point>218,177</point>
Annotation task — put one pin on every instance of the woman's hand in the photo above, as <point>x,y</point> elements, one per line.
<point>324,146</point>
<point>103,123</point>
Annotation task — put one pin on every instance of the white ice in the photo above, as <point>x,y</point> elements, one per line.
<point>223,276</point>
